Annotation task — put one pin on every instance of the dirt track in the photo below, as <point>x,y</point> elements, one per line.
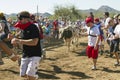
<point>65,66</point>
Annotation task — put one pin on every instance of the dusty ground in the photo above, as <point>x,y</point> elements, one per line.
<point>66,66</point>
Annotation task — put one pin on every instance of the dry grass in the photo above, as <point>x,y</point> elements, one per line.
<point>66,66</point>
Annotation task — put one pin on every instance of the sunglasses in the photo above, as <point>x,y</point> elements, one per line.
<point>20,17</point>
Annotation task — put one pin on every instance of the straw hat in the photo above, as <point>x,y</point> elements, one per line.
<point>1,14</point>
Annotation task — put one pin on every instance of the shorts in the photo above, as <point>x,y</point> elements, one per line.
<point>114,46</point>
<point>91,52</point>
<point>29,66</point>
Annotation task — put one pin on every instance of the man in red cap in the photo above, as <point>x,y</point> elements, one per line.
<point>93,41</point>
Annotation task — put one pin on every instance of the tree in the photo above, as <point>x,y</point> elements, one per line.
<point>75,12</point>
<point>67,13</point>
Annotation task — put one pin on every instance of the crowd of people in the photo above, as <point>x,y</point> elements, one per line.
<point>103,31</point>
<point>32,32</point>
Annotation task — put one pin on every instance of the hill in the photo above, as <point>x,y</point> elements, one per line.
<point>103,8</point>
<point>107,9</point>
<point>97,12</point>
<point>46,14</point>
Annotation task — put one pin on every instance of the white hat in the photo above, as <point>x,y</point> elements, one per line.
<point>118,17</point>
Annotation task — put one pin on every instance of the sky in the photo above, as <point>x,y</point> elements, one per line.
<point>16,6</point>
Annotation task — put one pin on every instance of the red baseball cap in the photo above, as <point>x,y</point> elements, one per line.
<point>32,17</point>
<point>88,20</point>
<point>97,20</point>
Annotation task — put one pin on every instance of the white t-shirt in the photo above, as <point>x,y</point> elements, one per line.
<point>117,30</point>
<point>107,21</point>
<point>93,31</point>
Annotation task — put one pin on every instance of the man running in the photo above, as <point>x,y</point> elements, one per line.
<point>31,46</point>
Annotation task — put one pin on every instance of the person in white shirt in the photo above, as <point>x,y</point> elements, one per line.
<point>107,19</point>
<point>117,28</point>
<point>116,36</point>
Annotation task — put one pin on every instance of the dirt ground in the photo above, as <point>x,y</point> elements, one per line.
<point>66,66</point>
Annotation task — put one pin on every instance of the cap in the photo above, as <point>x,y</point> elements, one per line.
<point>88,20</point>
<point>97,20</point>
<point>115,16</point>
<point>118,17</point>
<point>23,14</point>
<point>1,14</point>
<point>32,17</point>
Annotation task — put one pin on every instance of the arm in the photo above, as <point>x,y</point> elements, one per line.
<point>2,26</point>
<point>97,38</point>
<point>97,42</point>
<point>106,27</point>
<point>29,42</point>
<point>84,34</point>
<point>116,36</point>
<point>18,32</point>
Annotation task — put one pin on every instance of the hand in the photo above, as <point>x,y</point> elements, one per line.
<point>110,39</point>
<point>96,47</point>
<point>10,36</point>
<point>14,41</point>
<point>15,58</point>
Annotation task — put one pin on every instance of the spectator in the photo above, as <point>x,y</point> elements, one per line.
<point>4,33</point>
<point>93,41</point>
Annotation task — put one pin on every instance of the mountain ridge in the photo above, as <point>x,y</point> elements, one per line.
<point>103,8</point>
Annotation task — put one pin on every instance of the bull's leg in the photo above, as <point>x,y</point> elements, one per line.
<point>69,45</point>
<point>73,43</point>
<point>68,41</point>
<point>77,41</point>
<point>65,42</point>
<point>1,61</point>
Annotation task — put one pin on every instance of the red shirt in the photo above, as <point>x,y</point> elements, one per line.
<point>55,25</point>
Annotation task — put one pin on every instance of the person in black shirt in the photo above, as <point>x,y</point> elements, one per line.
<point>31,46</point>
